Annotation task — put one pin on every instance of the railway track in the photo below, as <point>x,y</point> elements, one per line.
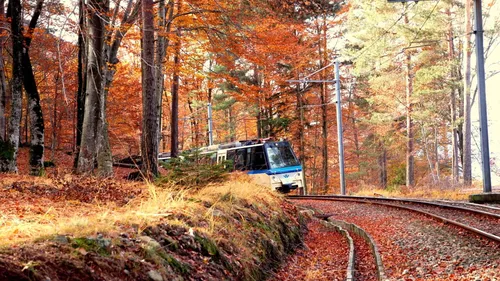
<point>482,220</point>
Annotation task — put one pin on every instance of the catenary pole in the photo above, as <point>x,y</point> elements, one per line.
<point>339,118</point>
<point>483,118</point>
<point>339,129</point>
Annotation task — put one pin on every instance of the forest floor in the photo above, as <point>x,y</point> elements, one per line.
<point>66,226</point>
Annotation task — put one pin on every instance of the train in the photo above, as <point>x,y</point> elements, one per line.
<point>268,162</point>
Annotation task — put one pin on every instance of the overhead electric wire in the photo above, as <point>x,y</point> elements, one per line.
<point>390,57</point>
<point>386,31</point>
<point>423,24</point>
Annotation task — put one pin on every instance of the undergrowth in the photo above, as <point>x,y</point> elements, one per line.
<point>234,225</point>
<point>193,170</point>
<point>428,192</point>
<point>156,204</point>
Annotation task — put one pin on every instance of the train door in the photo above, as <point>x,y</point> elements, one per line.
<point>221,157</point>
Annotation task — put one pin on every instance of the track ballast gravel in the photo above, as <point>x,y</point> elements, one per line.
<point>415,247</point>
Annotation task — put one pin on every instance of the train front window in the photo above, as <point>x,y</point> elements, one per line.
<point>258,158</point>
<point>280,155</point>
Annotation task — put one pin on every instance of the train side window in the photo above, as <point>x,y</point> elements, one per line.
<point>231,155</point>
<point>239,160</point>
<point>258,158</point>
<point>248,159</point>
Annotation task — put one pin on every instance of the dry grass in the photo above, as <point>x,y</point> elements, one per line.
<point>459,193</point>
<point>156,204</point>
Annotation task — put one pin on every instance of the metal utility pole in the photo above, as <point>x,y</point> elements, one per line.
<point>339,129</point>
<point>339,117</point>
<point>483,118</point>
<point>210,133</point>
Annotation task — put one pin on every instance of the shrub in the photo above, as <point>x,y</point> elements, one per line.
<point>193,170</point>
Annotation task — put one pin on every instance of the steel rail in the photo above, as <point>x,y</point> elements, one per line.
<point>403,200</point>
<point>372,200</point>
<point>472,204</point>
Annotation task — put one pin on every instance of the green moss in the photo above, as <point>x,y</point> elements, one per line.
<point>208,247</point>
<point>90,245</point>
<point>262,226</point>
<point>174,263</point>
<point>162,258</point>
<point>172,245</point>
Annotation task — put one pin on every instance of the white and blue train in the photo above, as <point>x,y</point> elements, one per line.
<point>269,163</point>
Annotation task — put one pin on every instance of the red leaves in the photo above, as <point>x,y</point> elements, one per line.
<point>414,247</point>
<point>323,258</point>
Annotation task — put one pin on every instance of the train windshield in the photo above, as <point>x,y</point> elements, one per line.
<point>280,155</point>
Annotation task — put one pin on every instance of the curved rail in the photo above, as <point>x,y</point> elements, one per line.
<point>376,200</point>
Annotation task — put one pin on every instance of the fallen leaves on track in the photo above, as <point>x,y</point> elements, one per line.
<point>324,257</point>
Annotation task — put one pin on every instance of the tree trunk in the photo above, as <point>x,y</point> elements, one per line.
<point>324,109</point>
<point>149,137</point>
<point>3,83</point>
<point>427,153</point>
<point>159,60</point>
<point>382,165</point>
<point>194,125</point>
<point>174,136</point>
<point>453,101</point>
<point>110,60</point>
<point>436,153</point>
<point>9,147</point>
<point>354,126</point>
<point>36,118</point>
<point>26,122</point>
<point>410,174</point>
<point>93,98</point>
<point>82,80</point>
<point>35,110</point>
<point>54,122</point>
<point>467,133</point>
<point>410,180</point>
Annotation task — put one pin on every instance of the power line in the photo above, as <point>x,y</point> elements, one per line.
<point>422,26</point>
<point>412,41</point>
<point>386,31</point>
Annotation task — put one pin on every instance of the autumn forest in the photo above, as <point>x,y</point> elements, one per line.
<point>102,80</point>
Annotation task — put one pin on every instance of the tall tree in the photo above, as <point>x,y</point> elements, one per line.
<point>3,82</point>
<point>159,59</point>
<point>453,99</point>
<point>103,44</point>
<point>467,128</point>
<point>35,110</point>
<point>410,163</point>
<point>174,127</point>
<point>91,149</point>
<point>80,94</point>
<point>8,157</point>
<point>149,137</point>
